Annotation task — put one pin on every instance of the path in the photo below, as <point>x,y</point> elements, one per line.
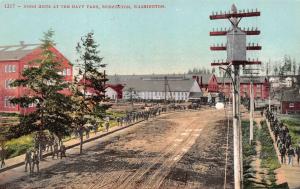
<point>291,173</point>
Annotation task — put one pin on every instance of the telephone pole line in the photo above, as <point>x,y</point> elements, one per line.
<point>236,55</point>
<point>251,72</point>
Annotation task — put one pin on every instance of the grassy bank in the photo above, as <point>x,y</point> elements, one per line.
<point>248,153</point>
<point>18,146</point>
<point>268,156</point>
<point>268,153</point>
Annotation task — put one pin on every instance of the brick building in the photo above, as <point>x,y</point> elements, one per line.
<point>13,60</point>
<point>290,101</point>
<point>260,85</point>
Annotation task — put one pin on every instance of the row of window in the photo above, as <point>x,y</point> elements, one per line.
<point>10,68</point>
<point>163,93</point>
<point>66,71</point>
<point>8,104</point>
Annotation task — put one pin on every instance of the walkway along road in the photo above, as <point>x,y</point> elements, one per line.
<point>291,173</point>
<point>180,149</point>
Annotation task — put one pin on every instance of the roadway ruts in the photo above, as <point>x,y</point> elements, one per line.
<point>183,149</point>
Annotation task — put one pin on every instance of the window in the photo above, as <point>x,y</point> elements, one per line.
<point>64,72</point>
<point>10,68</point>
<point>7,102</point>
<point>13,68</point>
<point>258,90</point>
<point>68,71</point>
<point>7,84</point>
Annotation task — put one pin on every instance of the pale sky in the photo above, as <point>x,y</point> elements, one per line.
<point>139,41</point>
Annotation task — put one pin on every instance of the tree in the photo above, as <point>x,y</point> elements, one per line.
<point>275,70</point>
<point>294,67</point>
<point>89,89</point>
<point>287,65</point>
<point>268,67</point>
<point>45,84</point>
<point>213,70</point>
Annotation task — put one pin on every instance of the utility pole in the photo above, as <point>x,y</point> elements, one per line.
<point>251,109</point>
<point>131,97</point>
<point>236,55</point>
<point>165,85</point>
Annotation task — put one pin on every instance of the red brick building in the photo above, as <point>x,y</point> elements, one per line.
<point>260,86</point>
<point>290,101</point>
<point>13,60</point>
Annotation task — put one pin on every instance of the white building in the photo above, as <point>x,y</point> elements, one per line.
<point>158,87</point>
<point>111,93</point>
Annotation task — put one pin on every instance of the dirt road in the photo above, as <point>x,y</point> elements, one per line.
<point>176,150</point>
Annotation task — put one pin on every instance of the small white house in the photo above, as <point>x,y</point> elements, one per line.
<point>111,93</point>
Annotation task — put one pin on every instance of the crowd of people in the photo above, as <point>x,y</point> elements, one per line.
<point>133,117</point>
<point>43,142</point>
<point>283,139</point>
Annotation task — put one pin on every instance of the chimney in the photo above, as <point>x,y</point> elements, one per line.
<point>22,43</point>
<point>194,77</point>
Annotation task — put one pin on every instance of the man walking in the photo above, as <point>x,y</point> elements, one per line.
<point>28,160</point>
<point>55,150</point>
<point>282,154</point>
<point>291,154</point>
<point>62,151</point>
<point>106,124</point>
<point>35,161</point>
<point>298,153</point>
<point>2,156</point>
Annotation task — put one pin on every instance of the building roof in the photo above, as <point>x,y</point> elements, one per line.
<point>292,95</point>
<point>16,52</point>
<point>159,85</point>
<point>123,79</point>
<point>195,95</point>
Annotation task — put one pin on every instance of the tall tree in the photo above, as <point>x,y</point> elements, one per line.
<point>45,84</point>
<point>287,65</point>
<point>294,67</point>
<point>275,70</point>
<point>90,84</point>
<point>213,70</point>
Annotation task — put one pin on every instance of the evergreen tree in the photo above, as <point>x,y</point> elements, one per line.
<point>294,67</point>
<point>89,90</point>
<point>45,85</point>
<point>275,70</point>
<point>213,70</point>
<point>287,65</point>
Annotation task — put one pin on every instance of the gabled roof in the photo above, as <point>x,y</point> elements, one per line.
<point>159,85</point>
<point>124,79</point>
<point>16,52</point>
